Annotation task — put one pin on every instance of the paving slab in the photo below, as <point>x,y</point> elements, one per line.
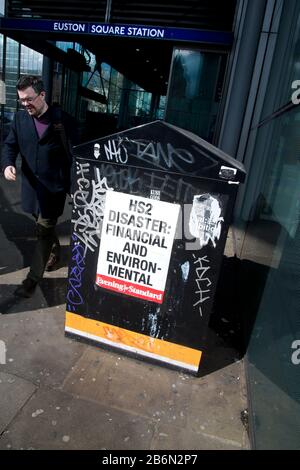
<point>37,349</point>
<point>213,408</point>
<point>14,394</point>
<point>55,420</point>
<point>165,438</point>
<point>130,385</point>
<point>203,412</point>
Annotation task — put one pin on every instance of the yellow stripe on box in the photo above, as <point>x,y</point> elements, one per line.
<point>172,353</point>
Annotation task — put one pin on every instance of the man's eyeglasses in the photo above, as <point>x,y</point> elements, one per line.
<point>29,100</point>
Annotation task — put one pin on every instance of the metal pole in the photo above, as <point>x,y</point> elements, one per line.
<point>3,104</point>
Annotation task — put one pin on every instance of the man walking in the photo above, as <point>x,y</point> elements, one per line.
<point>42,136</point>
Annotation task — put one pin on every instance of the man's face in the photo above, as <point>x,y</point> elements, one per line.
<point>33,102</point>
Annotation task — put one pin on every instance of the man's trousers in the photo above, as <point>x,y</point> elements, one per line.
<point>47,242</point>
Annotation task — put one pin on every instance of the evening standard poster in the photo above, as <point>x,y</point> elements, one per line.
<point>136,244</point>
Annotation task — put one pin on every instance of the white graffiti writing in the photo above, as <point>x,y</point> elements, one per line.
<point>155,153</point>
<point>88,206</point>
<point>153,325</point>
<point>136,182</point>
<point>116,151</point>
<point>202,281</point>
<point>205,160</point>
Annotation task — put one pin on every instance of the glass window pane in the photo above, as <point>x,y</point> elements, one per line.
<point>274,348</point>
<point>31,62</point>
<point>11,75</point>
<point>1,53</point>
<point>64,46</point>
<point>195,91</point>
<point>271,254</point>
<point>2,84</point>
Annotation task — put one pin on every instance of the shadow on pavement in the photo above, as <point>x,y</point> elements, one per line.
<point>237,299</point>
<point>17,247</point>
<point>53,290</point>
<point>235,305</point>
<point>19,230</point>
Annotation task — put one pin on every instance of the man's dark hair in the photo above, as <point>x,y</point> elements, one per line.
<point>26,81</point>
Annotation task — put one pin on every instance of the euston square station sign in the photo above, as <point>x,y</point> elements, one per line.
<point>117,30</point>
<point>136,244</point>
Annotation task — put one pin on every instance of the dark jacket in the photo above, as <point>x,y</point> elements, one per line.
<point>46,161</point>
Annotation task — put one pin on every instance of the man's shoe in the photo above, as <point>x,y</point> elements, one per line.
<point>52,262</point>
<point>26,289</point>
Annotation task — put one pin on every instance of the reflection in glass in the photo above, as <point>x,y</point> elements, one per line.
<point>195,91</point>
<point>274,376</point>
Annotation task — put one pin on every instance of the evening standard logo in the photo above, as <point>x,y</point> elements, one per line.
<point>123,287</point>
<point>2,352</point>
<point>116,285</point>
